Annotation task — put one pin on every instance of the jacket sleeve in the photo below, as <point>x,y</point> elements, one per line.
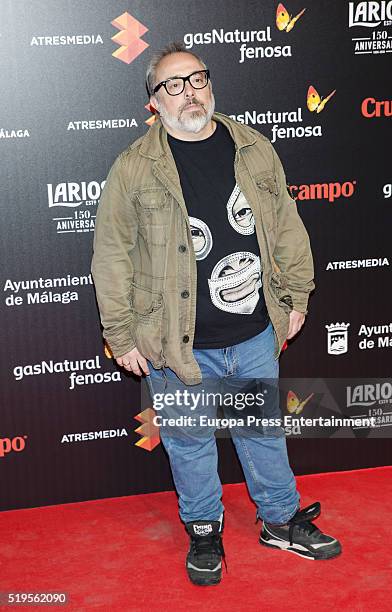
<point>292,253</point>
<point>112,270</point>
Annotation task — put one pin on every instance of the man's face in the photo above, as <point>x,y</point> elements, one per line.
<point>191,110</point>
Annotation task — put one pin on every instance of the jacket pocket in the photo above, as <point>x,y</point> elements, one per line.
<point>152,198</point>
<point>145,301</point>
<point>153,215</point>
<point>147,306</point>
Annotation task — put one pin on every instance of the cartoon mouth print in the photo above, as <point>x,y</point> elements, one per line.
<point>235,282</point>
<point>239,213</point>
<point>201,237</point>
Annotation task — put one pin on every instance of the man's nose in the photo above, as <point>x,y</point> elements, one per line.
<point>188,90</point>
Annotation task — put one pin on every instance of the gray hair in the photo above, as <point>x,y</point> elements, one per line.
<point>173,47</point>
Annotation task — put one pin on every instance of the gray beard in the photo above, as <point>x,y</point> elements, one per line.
<point>192,122</point>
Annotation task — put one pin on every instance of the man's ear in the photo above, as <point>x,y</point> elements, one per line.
<point>154,104</point>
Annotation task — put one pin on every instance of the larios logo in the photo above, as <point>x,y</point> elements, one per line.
<point>375,397</point>
<point>323,191</point>
<point>371,108</point>
<point>369,394</point>
<point>371,15</point>
<point>75,195</point>
<point>16,444</point>
<point>129,38</point>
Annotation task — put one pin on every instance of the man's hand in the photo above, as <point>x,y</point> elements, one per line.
<point>297,319</point>
<point>134,362</point>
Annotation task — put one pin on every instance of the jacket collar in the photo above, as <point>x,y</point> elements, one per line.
<point>155,145</point>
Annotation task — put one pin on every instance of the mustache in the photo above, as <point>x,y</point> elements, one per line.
<point>190,102</point>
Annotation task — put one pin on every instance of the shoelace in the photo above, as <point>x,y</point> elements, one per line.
<point>302,520</point>
<point>208,545</point>
<point>304,526</point>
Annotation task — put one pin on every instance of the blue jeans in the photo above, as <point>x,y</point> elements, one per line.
<point>194,458</point>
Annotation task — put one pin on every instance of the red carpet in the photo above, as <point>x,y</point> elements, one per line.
<point>128,553</point>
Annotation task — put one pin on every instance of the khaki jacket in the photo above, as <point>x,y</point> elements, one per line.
<point>144,266</point>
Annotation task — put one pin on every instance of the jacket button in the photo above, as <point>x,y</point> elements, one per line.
<point>185,294</point>
<point>185,339</point>
<point>182,248</point>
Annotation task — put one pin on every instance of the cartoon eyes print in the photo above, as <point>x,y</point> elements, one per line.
<point>239,213</point>
<point>201,237</point>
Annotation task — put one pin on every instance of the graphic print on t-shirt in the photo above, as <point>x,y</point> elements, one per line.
<point>235,282</point>
<point>230,303</point>
<point>236,279</point>
<point>239,213</point>
<point>201,237</point>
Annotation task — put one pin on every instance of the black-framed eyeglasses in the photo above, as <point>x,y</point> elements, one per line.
<point>176,85</point>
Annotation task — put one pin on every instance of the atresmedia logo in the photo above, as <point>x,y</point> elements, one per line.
<point>129,38</point>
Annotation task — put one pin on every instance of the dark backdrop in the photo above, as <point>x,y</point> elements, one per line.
<point>68,107</point>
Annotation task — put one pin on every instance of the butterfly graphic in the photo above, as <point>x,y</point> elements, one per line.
<point>284,21</point>
<point>314,102</point>
<point>294,405</point>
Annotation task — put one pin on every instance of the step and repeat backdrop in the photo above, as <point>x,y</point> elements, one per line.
<point>313,78</point>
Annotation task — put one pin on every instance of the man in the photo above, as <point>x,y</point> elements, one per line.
<point>202,269</point>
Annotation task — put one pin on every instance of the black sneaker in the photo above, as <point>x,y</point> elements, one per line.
<point>301,537</point>
<point>204,559</point>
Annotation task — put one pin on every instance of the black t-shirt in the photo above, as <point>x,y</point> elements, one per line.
<point>230,306</point>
